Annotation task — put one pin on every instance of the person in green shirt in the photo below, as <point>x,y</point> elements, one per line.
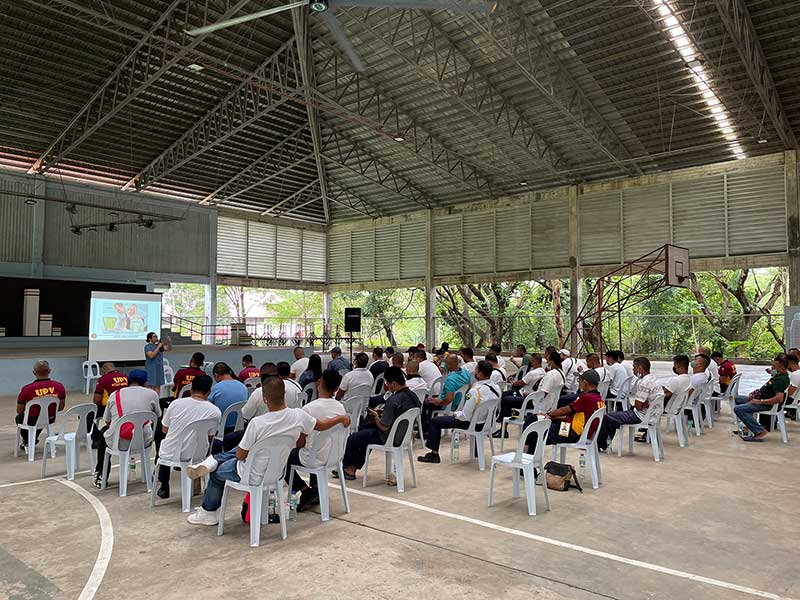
<point>762,399</point>
<point>449,396</point>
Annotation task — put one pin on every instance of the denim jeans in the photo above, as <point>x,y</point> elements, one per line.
<point>745,412</point>
<point>226,471</point>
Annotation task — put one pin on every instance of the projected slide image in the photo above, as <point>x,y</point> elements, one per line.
<point>113,319</point>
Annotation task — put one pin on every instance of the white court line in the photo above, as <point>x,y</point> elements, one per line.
<point>106,534</point>
<point>567,545</point>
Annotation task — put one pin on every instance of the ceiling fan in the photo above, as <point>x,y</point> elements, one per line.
<point>323,9</point>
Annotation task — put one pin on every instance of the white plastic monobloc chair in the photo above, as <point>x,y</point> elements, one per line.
<point>731,392</point>
<point>42,422</point>
<point>587,443</point>
<point>310,391</point>
<point>377,386</point>
<point>185,391</point>
<point>356,405</point>
<point>207,367</point>
<point>674,414</point>
<point>693,405</point>
<point>476,437</point>
<point>233,409</point>
<point>72,440</point>
<point>436,386</point>
<point>394,449</point>
<point>258,485</point>
<point>526,463</point>
<point>602,389</point>
<point>91,372</point>
<point>169,376</point>
<point>138,444</point>
<point>337,437</point>
<point>252,383</point>
<point>459,397</point>
<point>776,414</point>
<point>651,422</point>
<point>194,447</point>
<point>528,406</point>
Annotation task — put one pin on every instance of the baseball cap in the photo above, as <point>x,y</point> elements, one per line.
<point>591,376</point>
<point>139,375</point>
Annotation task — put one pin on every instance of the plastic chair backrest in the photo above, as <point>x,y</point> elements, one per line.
<point>408,417</point>
<point>81,412</point>
<point>277,449</point>
<point>654,411</point>
<point>338,437</point>
<point>235,408</point>
<point>252,382</point>
<point>360,391</point>
<point>310,390</point>
<point>549,403</point>
<point>587,436</point>
<point>520,373</point>
<point>185,391</point>
<point>460,397</point>
<point>420,394</point>
<point>733,386</point>
<point>377,386</point>
<point>491,416</point>
<point>355,407</point>
<point>169,374</point>
<point>602,388</point>
<point>44,403</point>
<point>207,367</point>
<point>90,369</point>
<point>676,402</point>
<point>195,443</point>
<point>436,386</point>
<point>540,427</point>
<point>533,401</point>
<point>139,420</point>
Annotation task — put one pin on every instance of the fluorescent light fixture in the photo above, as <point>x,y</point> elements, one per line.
<point>677,31</point>
<point>716,109</point>
<point>762,140</point>
<point>195,67</point>
<point>672,22</point>
<point>399,138</point>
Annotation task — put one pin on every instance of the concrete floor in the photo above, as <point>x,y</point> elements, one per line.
<point>719,510</point>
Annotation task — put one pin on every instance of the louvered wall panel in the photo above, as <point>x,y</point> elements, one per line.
<point>387,252</point>
<point>314,256</point>
<point>231,246</point>
<point>413,249</point>
<point>16,218</point>
<point>478,242</point>
<point>698,216</point>
<point>756,212</point>
<point>447,250</point>
<point>363,267</point>
<point>599,231</point>
<point>261,238</point>
<point>513,238</point>
<point>340,255</point>
<point>290,252</point>
<point>550,233</point>
<point>646,219</point>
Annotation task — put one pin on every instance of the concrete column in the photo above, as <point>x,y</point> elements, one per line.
<point>210,313</point>
<point>430,289</point>
<point>37,232</point>
<point>575,280</point>
<point>793,224</point>
<point>327,310</point>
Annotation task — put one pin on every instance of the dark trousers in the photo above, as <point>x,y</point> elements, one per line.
<point>299,484</point>
<point>552,435</point>
<point>510,400</point>
<point>611,423</point>
<point>31,421</point>
<point>434,437</point>
<point>163,475</point>
<point>101,451</point>
<point>355,453</point>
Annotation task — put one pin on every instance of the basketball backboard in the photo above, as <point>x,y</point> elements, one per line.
<point>676,268</point>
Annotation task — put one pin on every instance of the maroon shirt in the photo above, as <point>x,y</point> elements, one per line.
<point>110,383</point>
<point>38,389</point>
<point>184,377</point>
<point>249,372</point>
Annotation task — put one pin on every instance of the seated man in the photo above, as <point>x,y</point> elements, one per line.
<point>498,372</point>
<point>323,408</point>
<point>293,396</point>
<point>468,356</point>
<point>376,430</point>
<point>725,370</point>
<point>427,370</point>
<point>249,369</point>
<point>379,365</point>
<point>762,399</point>
<point>699,377</point>
<point>477,397</point>
<point>681,381</point>
<point>110,381</point>
<point>617,372</point>
<point>255,405</point>
<point>398,360</point>
<point>226,391</point>
<point>300,363</point>
<point>496,350</point>
<point>338,362</point>
<point>515,397</point>
<point>185,376</point>
<point>520,358</point>
<point>180,414</point>
<point>134,398</point>
<point>277,421</point>
<point>414,381</point>
<point>41,386</point>
<point>569,366</point>
<point>360,376</point>
<point>646,392</point>
<point>569,421</point>
<point>447,399</point>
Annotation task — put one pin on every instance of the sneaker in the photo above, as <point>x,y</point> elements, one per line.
<point>98,481</point>
<point>163,492</point>
<point>209,465</point>
<point>308,498</point>
<point>499,433</point>
<point>430,457</point>
<point>203,517</point>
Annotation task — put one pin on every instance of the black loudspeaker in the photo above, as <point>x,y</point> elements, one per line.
<point>352,320</point>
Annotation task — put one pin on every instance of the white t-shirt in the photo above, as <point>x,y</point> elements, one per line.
<point>531,377</point>
<point>470,366</point>
<point>133,399</point>
<point>321,409</point>
<point>429,372</point>
<point>289,421</point>
<point>618,376</point>
<point>552,384</point>
<point>628,369</point>
<point>497,377</point>
<point>298,366</point>
<point>355,378</point>
<point>603,374</point>
<point>255,405</point>
<point>794,381</point>
<point>293,393</point>
<point>181,413</point>
<point>477,401</point>
<point>417,383</point>
<point>679,383</point>
<point>501,362</point>
<point>713,373</point>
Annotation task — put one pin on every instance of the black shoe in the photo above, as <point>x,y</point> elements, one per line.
<point>347,476</point>
<point>98,481</point>
<point>163,492</point>
<point>499,433</point>
<point>308,498</point>
<point>430,457</point>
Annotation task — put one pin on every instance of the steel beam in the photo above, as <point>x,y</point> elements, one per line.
<point>736,19</point>
<point>343,196</point>
<point>353,156</point>
<point>248,102</point>
<point>310,187</point>
<point>368,104</point>
<point>301,32</point>
<point>151,58</point>
<point>430,52</point>
<point>511,32</point>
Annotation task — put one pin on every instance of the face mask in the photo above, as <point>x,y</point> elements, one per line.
<point>773,372</point>
<point>674,370</point>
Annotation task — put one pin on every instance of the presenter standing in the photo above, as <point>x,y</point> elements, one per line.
<point>154,360</point>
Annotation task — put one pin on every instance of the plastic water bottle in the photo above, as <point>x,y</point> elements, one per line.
<point>271,507</point>
<point>293,507</point>
<point>582,466</point>
<point>132,468</point>
<point>455,446</point>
